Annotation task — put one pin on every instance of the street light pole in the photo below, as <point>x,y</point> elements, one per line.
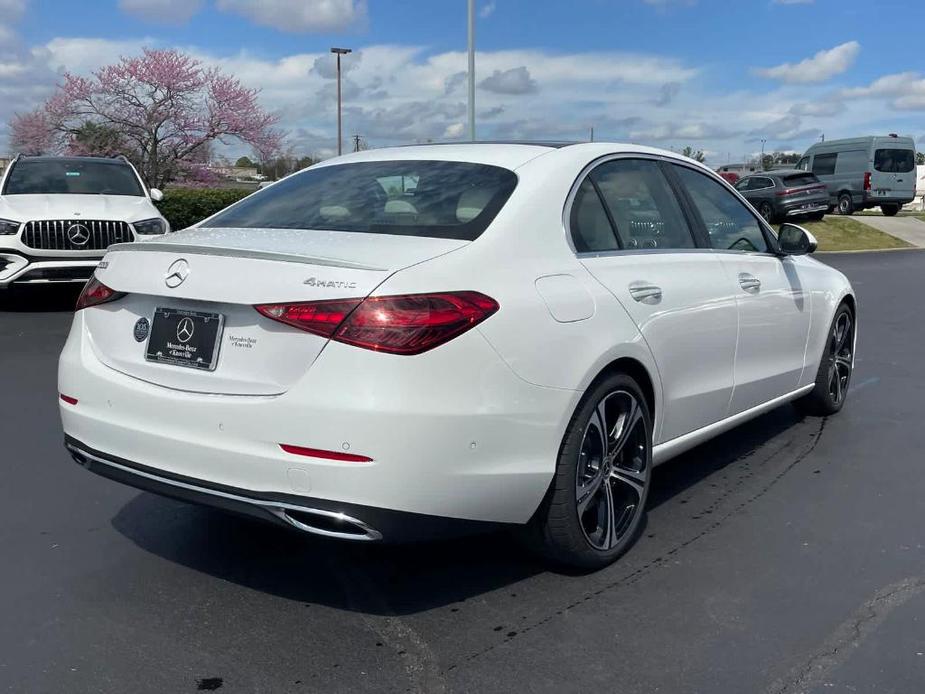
<point>339,52</point>
<point>761,161</point>
<point>472,70</point>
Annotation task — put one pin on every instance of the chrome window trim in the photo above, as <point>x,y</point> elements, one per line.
<point>769,234</point>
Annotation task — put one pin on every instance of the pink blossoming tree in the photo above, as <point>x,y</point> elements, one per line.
<point>167,107</point>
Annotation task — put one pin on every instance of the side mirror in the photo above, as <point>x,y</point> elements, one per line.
<point>156,194</point>
<point>795,240</point>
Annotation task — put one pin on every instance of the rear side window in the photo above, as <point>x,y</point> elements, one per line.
<point>894,160</point>
<point>642,204</point>
<point>591,229</point>
<point>728,222</point>
<point>440,199</point>
<point>794,180</point>
<point>824,164</point>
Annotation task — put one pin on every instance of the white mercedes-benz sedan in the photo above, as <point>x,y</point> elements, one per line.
<point>428,340</point>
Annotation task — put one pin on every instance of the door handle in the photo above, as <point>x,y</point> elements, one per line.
<point>645,292</point>
<point>749,283</point>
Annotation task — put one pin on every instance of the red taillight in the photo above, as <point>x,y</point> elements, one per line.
<point>95,293</point>
<point>68,399</point>
<point>867,180</point>
<point>326,455</point>
<point>406,324</point>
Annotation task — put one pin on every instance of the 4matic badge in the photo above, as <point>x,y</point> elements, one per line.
<point>335,284</point>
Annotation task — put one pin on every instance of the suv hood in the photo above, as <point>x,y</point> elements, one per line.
<point>128,208</point>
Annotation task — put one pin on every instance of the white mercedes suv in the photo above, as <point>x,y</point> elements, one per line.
<point>430,339</point>
<point>58,215</point>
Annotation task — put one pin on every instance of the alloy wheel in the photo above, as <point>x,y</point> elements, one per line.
<point>841,358</point>
<point>613,470</point>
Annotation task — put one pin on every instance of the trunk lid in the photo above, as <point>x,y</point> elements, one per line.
<point>226,272</point>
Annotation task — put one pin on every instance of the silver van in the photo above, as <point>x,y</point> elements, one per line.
<point>865,172</point>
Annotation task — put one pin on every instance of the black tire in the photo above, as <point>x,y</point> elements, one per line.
<point>890,210</point>
<point>563,532</point>
<point>766,210</point>
<point>845,204</point>
<point>833,377</point>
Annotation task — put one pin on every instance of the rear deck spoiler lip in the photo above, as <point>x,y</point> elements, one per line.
<point>182,248</point>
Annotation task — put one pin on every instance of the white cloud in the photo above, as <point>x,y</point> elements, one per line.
<point>821,67</point>
<point>12,10</point>
<point>162,11</point>
<point>904,90</point>
<point>300,15</point>
<point>517,80</point>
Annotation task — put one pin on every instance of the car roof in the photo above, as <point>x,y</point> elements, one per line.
<point>75,160</point>
<point>507,154</point>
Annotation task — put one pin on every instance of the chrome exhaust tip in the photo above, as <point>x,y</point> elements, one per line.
<point>326,523</point>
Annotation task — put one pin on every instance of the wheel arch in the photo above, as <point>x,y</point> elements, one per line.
<point>636,370</point>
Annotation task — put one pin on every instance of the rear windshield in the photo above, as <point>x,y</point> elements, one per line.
<point>441,199</point>
<point>71,177</point>
<point>894,160</point>
<point>806,179</point>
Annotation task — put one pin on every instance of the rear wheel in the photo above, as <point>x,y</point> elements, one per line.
<point>595,506</point>
<point>845,204</point>
<point>890,210</point>
<point>834,374</point>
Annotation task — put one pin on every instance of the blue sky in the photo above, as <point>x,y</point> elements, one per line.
<point>719,76</point>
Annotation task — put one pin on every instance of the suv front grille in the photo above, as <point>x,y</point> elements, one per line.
<point>75,234</point>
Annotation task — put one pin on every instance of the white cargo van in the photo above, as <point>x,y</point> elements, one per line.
<point>865,172</point>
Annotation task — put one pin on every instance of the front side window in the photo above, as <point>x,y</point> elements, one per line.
<point>440,199</point>
<point>803,164</point>
<point>743,184</point>
<point>894,160</point>
<point>824,164</point>
<point>71,177</point>
<point>728,222</point>
<point>642,204</point>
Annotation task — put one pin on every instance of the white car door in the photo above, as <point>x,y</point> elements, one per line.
<point>774,305</point>
<point>630,232</point>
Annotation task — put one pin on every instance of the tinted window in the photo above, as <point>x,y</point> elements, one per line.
<point>442,199</point>
<point>824,164</point>
<point>794,180</point>
<point>71,176</point>
<point>591,230</point>
<point>803,164</point>
<point>730,225</point>
<point>894,160</point>
<point>760,183</point>
<point>853,161</point>
<point>642,204</point>
<point>743,184</point>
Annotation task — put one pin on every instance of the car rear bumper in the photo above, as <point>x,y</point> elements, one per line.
<point>453,433</point>
<point>20,269</point>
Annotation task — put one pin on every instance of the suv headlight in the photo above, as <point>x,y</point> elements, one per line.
<point>8,227</point>
<point>150,226</point>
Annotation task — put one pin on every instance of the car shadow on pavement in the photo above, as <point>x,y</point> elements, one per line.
<point>386,579</point>
<point>40,298</point>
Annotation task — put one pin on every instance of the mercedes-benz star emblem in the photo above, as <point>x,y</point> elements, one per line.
<point>185,330</point>
<point>177,273</point>
<point>78,234</point>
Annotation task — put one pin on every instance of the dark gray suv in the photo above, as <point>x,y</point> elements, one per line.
<point>785,194</point>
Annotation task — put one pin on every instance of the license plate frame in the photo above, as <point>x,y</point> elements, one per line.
<point>187,348</point>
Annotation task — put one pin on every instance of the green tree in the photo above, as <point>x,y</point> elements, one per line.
<point>695,154</point>
<point>920,158</point>
<point>244,163</point>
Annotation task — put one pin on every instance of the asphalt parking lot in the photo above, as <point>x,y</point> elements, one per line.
<point>786,556</point>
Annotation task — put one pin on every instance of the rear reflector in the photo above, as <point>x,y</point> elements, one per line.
<point>326,455</point>
<point>867,180</point>
<point>68,399</point>
<point>95,293</point>
<point>405,324</point>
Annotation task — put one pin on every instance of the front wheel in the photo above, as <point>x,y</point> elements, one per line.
<point>595,506</point>
<point>890,210</point>
<point>834,374</point>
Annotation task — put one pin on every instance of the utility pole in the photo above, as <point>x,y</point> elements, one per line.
<point>472,70</point>
<point>761,161</point>
<point>339,52</point>
<point>356,143</point>
<point>592,134</point>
